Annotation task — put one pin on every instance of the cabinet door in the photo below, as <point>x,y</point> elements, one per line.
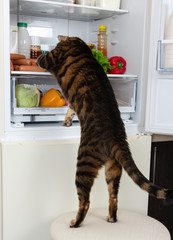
<point>161,174</point>
<point>159,112</point>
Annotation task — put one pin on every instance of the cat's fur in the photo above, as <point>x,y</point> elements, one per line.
<point>103,137</point>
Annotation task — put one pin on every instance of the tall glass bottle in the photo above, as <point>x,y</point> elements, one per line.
<point>35,50</point>
<point>102,40</point>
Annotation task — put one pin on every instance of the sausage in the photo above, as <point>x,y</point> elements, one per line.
<point>16,56</point>
<point>31,68</point>
<point>22,62</point>
<point>11,66</point>
<point>16,67</point>
<point>33,61</point>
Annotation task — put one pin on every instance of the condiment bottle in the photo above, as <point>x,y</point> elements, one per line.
<point>35,50</point>
<point>24,40</point>
<point>102,40</point>
<point>13,39</point>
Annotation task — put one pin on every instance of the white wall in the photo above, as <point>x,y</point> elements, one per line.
<point>39,185</point>
<point>1,73</point>
<point>0,192</point>
<point>2,104</point>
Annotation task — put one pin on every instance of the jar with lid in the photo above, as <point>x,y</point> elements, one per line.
<point>24,40</point>
<point>102,40</point>
<point>115,4</point>
<point>86,2</point>
<point>35,50</point>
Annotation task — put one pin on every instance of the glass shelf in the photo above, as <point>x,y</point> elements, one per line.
<point>23,74</point>
<point>54,9</point>
<point>122,77</point>
<point>115,77</point>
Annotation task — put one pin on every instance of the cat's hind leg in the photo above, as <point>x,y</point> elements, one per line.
<point>113,174</point>
<point>86,172</point>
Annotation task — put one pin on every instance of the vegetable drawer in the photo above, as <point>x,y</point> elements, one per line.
<point>43,82</point>
<point>124,87</point>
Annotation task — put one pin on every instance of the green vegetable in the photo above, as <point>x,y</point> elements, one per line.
<point>103,60</point>
<point>27,95</point>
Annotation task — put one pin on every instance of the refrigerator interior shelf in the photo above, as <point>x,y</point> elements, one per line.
<point>55,9</point>
<point>165,56</point>
<point>115,77</point>
<point>123,106</point>
<point>122,77</point>
<point>40,110</point>
<point>23,74</point>
<point>25,120</point>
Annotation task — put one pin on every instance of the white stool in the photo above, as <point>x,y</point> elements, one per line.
<point>130,226</point>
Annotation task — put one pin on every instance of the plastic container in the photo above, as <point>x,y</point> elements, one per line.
<point>86,2</point>
<point>102,40</point>
<point>35,49</point>
<point>13,39</point>
<point>115,4</point>
<point>24,40</point>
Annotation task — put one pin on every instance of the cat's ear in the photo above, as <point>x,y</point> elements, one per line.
<point>62,38</point>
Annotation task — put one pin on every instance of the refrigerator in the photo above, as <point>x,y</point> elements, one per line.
<point>37,154</point>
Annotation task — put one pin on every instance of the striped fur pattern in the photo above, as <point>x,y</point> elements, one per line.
<point>103,137</point>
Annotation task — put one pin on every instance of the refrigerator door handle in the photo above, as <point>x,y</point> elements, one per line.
<point>154,165</point>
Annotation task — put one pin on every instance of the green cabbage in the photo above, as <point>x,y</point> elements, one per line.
<point>103,60</point>
<point>27,95</point>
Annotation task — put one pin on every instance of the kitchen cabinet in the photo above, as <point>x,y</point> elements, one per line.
<point>161,174</point>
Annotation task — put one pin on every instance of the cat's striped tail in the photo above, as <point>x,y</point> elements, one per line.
<point>127,162</point>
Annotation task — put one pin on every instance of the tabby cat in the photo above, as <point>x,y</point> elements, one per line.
<point>103,138</point>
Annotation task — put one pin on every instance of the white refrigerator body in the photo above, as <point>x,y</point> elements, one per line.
<point>133,50</point>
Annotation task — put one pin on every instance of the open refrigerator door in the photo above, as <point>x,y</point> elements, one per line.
<point>159,113</point>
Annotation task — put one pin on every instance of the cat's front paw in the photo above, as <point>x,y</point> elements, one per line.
<point>41,60</point>
<point>67,122</point>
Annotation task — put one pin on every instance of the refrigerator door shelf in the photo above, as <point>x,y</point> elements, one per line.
<point>165,56</point>
<point>159,113</point>
<point>55,9</point>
